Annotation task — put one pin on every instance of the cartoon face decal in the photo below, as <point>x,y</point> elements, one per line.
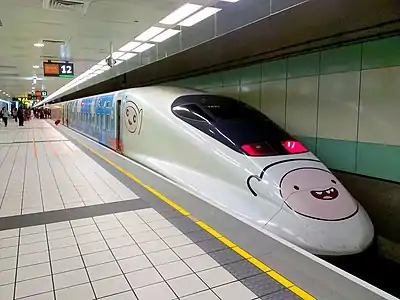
<point>133,117</point>
<point>311,191</point>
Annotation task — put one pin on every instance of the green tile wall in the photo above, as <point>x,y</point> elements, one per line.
<point>321,91</point>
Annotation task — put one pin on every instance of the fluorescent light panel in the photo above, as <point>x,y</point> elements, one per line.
<point>149,34</point>
<point>180,14</point>
<point>144,47</point>
<point>232,1</point>
<point>117,54</point>
<point>127,56</point>
<point>165,35</point>
<point>129,46</point>
<point>200,16</point>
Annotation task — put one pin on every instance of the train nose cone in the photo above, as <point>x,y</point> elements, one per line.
<point>317,194</point>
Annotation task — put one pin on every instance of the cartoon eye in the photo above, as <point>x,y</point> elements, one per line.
<point>333,181</point>
<point>296,187</point>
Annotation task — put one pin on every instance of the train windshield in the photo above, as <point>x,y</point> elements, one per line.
<point>237,125</point>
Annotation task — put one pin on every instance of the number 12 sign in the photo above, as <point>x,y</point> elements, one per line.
<point>58,69</point>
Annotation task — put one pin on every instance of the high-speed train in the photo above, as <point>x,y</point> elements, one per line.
<point>230,155</point>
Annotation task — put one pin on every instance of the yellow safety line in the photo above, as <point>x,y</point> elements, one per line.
<point>263,267</point>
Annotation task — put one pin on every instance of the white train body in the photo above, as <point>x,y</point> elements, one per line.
<point>292,195</point>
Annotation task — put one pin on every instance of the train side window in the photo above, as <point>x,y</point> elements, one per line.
<point>108,122</point>
<point>191,112</point>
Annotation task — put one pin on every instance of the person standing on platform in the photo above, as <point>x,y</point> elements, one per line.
<point>4,115</point>
<point>20,116</point>
<point>14,113</point>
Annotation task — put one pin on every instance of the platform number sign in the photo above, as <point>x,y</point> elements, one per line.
<point>58,69</point>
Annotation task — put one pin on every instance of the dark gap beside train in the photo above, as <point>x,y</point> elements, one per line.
<point>371,267</point>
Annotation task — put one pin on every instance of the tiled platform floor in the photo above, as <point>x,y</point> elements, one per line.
<point>72,230</point>
<point>130,255</point>
<point>50,175</point>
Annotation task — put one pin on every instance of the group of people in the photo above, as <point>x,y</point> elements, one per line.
<point>24,114</point>
<point>16,114</point>
<point>42,113</point>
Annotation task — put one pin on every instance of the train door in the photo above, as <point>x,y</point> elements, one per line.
<point>118,126</point>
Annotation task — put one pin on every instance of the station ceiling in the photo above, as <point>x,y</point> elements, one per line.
<point>68,30</point>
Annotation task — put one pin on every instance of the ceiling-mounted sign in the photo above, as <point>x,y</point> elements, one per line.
<point>58,69</point>
<point>44,94</point>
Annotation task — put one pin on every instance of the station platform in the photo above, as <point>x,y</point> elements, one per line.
<point>79,221</point>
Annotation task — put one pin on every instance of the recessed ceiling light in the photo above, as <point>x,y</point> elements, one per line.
<point>129,46</point>
<point>165,35</point>
<point>39,45</point>
<point>127,56</point>
<point>149,34</point>
<point>181,13</point>
<point>200,16</point>
<point>36,67</point>
<point>144,47</point>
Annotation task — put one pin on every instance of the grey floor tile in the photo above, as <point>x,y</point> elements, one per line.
<point>262,284</point>
<point>173,270</point>
<point>62,243</point>
<point>163,257</point>
<point>32,248</point>
<point>68,264</point>
<point>186,285</point>
<point>90,228</point>
<point>62,253</point>
<point>33,271</point>
<point>7,277</point>
<point>234,290</point>
<point>159,224</point>
<point>103,271</point>
<point>9,233</point>
<point>177,241</point>
<point>159,291</point>
<point>242,269</point>
<point>205,295</point>
<point>58,226</point>
<point>109,225</point>
<point>137,228</point>
<point>189,250</point>
<point>284,294</point>
<point>201,262</point>
<point>114,233</point>
<point>184,224</point>
<point>8,242</point>
<point>216,276</point>
<point>168,232</point>
<point>135,263</point>
<point>44,296</point>
<point>70,278</point>
<point>199,235</point>
<point>121,296</point>
<point>32,259</point>
<point>34,286</point>
<point>144,277</point>
<point>89,238</point>
<point>7,291</point>
<point>105,219</point>
<point>146,236</point>
<point>121,241</point>
<point>152,246</point>
<point>59,234</point>
<point>98,258</point>
<point>126,252</point>
<point>226,256</point>
<point>212,245</point>
<point>32,229</point>
<point>110,286</point>
<point>8,252</point>
<point>82,222</point>
<point>92,247</point>
<point>33,238</point>
<point>81,292</point>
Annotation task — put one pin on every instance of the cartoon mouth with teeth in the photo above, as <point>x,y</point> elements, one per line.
<point>317,194</point>
<point>328,194</point>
